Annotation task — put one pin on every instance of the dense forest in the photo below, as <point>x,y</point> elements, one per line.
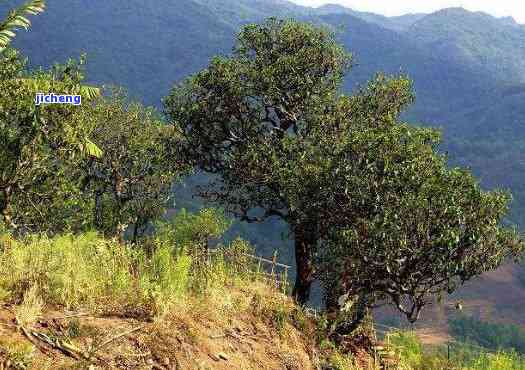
<point>97,200</point>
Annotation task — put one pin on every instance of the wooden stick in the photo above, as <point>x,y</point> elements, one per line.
<point>80,314</point>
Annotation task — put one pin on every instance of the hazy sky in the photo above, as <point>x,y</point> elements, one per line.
<point>515,8</point>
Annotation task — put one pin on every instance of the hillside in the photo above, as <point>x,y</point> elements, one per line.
<point>194,336</point>
<point>477,39</point>
<point>63,306</point>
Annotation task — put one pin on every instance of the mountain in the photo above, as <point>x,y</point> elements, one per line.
<point>398,23</point>
<point>468,68</point>
<point>138,44</point>
<point>493,45</point>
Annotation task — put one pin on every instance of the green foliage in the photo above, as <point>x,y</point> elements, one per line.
<point>35,141</point>
<point>247,116</point>
<point>408,347</point>
<point>17,18</point>
<point>130,184</point>
<point>466,84</point>
<point>489,335</point>
<point>412,355</point>
<point>402,225</point>
<point>392,221</point>
<point>186,229</point>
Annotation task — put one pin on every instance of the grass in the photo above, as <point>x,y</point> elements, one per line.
<point>463,356</point>
<point>15,354</point>
<point>28,312</point>
<point>91,272</point>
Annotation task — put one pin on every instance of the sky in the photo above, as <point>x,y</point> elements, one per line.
<point>499,8</point>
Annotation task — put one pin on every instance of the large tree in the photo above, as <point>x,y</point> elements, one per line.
<point>245,114</point>
<point>402,227</point>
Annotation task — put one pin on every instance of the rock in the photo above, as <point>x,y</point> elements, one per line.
<point>223,356</point>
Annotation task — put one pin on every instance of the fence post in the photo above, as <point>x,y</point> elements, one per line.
<point>274,261</point>
<point>285,281</point>
<point>259,268</point>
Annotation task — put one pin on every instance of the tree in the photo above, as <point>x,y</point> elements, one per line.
<point>35,139</point>
<point>406,227</point>
<point>131,183</point>
<point>245,116</point>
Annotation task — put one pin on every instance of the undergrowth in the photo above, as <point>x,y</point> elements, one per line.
<point>91,272</point>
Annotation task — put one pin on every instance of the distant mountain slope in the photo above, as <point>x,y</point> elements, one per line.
<point>144,45</point>
<point>237,12</point>
<point>492,44</point>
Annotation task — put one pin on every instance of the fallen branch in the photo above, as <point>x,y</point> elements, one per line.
<point>64,347</point>
<point>80,314</point>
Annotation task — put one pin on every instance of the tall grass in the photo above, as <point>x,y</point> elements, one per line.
<point>88,271</point>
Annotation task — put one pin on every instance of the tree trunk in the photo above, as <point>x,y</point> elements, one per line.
<point>361,310</point>
<point>5,208</point>
<point>97,214</point>
<point>135,232</point>
<point>304,245</point>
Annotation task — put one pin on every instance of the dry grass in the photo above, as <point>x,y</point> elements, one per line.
<point>30,310</point>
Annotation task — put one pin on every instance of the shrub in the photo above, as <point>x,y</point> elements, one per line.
<point>408,347</point>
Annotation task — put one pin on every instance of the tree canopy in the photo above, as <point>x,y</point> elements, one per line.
<point>244,114</point>
<point>365,193</point>
<point>402,226</point>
